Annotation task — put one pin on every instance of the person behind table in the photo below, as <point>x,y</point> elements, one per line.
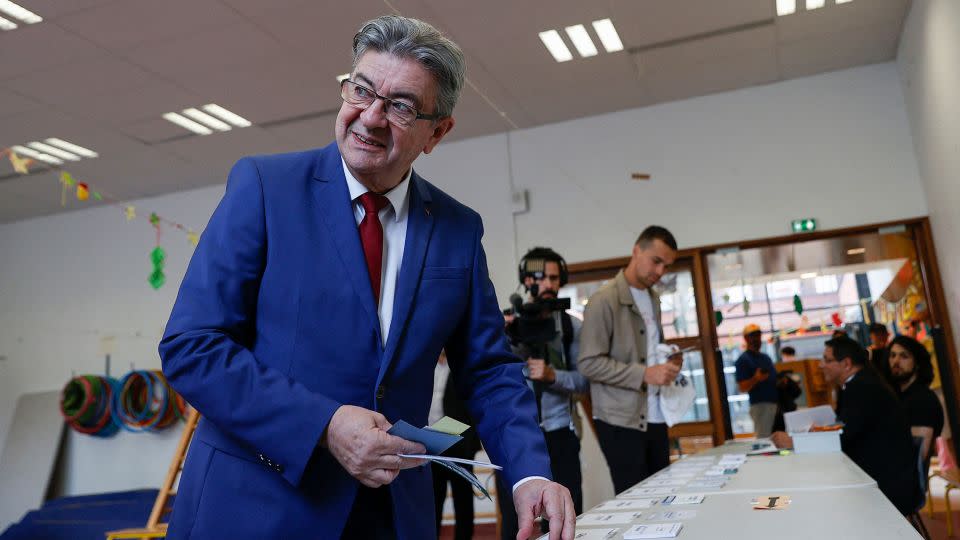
<point>756,376</point>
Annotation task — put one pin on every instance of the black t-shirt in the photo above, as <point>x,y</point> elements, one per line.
<point>922,407</point>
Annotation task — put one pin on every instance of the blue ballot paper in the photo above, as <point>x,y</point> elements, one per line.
<point>436,442</point>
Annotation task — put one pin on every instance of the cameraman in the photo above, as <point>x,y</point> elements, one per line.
<point>546,336</point>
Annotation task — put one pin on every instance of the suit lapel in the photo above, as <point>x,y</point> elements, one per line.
<point>419,229</point>
<point>333,200</point>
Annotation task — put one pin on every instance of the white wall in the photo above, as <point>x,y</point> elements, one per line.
<point>725,167</point>
<point>929,61</point>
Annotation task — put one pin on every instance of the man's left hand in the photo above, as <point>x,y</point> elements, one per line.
<point>539,370</point>
<point>536,498</point>
<point>781,439</point>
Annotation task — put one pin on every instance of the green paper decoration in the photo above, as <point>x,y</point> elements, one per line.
<point>746,306</point>
<point>154,219</point>
<point>157,257</point>
<point>718,316</point>
<point>797,304</point>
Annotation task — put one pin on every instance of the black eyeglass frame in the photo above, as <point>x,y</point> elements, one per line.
<point>419,115</point>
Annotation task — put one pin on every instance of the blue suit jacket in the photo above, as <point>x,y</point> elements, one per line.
<point>275,327</point>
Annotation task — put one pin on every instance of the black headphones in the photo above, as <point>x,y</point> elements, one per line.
<point>534,262</point>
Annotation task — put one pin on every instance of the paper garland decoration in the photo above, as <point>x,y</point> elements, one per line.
<point>84,191</point>
<point>797,304</point>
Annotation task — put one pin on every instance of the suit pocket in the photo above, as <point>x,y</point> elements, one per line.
<point>444,272</point>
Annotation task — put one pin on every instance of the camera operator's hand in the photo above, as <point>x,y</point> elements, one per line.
<point>661,374</point>
<point>540,371</point>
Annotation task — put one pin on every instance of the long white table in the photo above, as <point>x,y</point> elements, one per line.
<point>831,497</point>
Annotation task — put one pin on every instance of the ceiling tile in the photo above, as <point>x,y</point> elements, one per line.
<point>657,21</point>
<point>37,47</point>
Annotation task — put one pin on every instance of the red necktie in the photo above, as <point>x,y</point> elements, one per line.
<point>371,235</point>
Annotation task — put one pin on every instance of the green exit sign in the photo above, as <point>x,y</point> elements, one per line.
<point>804,225</point>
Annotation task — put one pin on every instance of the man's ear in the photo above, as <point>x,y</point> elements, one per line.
<point>440,130</point>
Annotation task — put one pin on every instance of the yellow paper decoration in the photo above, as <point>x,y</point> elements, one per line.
<point>21,165</point>
<point>131,213</point>
<point>67,179</point>
<point>82,192</point>
<point>193,238</point>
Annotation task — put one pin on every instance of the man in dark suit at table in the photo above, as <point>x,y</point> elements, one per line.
<point>315,308</point>
<point>876,435</point>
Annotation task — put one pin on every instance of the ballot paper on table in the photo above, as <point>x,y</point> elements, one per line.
<point>606,518</point>
<point>713,482</point>
<point>654,530</point>
<point>663,482</point>
<point>677,474</point>
<point>720,471</point>
<point>640,492</point>
<point>590,534</point>
<point>670,515</point>
<point>619,505</point>
<point>682,499</point>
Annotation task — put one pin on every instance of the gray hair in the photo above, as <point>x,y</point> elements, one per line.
<point>411,38</point>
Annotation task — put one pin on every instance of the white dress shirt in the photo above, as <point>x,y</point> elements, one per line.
<point>393,217</point>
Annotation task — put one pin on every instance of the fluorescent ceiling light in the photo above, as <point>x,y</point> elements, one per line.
<point>554,43</point>
<point>53,151</point>
<point>844,1</point>
<point>608,35</point>
<point>815,4</point>
<point>856,251</point>
<point>786,7</point>
<point>808,275</point>
<point>7,25</point>
<point>581,40</point>
<point>39,156</point>
<point>18,12</point>
<point>229,116</point>
<point>187,123</point>
<point>70,147</point>
<point>341,78</point>
<point>204,118</point>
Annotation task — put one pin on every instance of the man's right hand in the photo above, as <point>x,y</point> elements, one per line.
<point>761,374</point>
<point>359,441</point>
<point>661,374</point>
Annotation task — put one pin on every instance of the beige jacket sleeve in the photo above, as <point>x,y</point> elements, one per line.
<point>597,338</point>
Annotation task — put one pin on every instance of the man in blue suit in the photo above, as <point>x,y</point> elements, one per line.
<point>314,309</point>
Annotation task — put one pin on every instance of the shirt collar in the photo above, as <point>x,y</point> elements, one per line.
<point>846,382</point>
<point>398,196</point>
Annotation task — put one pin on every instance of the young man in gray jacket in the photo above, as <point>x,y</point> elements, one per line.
<point>621,329</point>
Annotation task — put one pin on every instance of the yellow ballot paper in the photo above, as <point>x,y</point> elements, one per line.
<point>449,426</point>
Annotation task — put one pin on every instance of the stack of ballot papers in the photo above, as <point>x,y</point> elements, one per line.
<point>608,518</point>
<point>438,438</point>
<point>592,534</point>
<point>658,530</point>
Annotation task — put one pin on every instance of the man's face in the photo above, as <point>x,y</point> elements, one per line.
<point>833,370</point>
<point>377,152</point>
<point>549,284</point>
<point>754,340</point>
<point>902,365</point>
<point>650,263</point>
<point>878,339</point>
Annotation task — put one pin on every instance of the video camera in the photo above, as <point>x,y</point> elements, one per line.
<point>534,324</point>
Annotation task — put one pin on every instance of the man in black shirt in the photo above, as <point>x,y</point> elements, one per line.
<point>876,435</point>
<point>912,372</point>
<point>879,335</point>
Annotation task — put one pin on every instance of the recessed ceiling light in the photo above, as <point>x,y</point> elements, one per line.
<point>39,156</point>
<point>187,123</point>
<point>206,119</point>
<point>53,151</point>
<point>229,116</point>
<point>856,251</point>
<point>19,12</point>
<point>808,275</point>
<point>786,7</point>
<point>815,4</point>
<point>608,35</point>
<point>341,78</point>
<point>70,147</point>
<point>7,25</point>
<point>581,40</point>
<point>554,43</point>
<point>844,1</point>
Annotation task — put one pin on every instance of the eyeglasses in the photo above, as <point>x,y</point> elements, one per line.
<point>399,111</point>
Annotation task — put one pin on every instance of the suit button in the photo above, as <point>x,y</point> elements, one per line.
<point>260,457</point>
<point>381,391</point>
<point>278,468</point>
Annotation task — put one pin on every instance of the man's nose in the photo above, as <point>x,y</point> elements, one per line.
<point>376,114</point>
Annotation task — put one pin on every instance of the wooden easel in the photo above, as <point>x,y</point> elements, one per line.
<point>154,528</point>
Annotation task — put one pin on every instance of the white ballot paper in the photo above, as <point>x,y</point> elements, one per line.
<point>619,505</point>
<point>657,530</point>
<point>716,482</point>
<point>617,518</point>
<point>641,491</point>
<point>671,515</point>
<point>590,534</point>
<point>683,499</point>
<point>664,482</point>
